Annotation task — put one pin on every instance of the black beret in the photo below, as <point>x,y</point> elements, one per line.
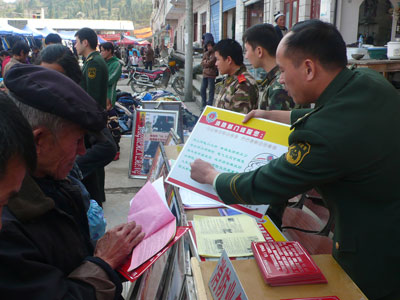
<point>52,92</point>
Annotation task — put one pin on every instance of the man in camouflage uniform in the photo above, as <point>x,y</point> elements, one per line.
<point>261,42</point>
<point>239,91</point>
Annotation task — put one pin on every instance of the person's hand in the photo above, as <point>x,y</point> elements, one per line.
<point>202,172</point>
<point>282,116</point>
<point>108,105</point>
<point>118,243</point>
<point>256,113</point>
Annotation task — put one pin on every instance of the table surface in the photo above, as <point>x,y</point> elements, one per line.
<point>339,283</point>
<point>373,61</point>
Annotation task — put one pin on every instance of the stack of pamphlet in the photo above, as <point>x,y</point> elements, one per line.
<point>286,263</point>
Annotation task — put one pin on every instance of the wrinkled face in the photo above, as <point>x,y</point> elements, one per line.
<point>291,76</point>
<point>252,56</point>
<point>79,46</point>
<point>11,181</point>
<point>281,21</point>
<point>222,64</point>
<point>57,153</point>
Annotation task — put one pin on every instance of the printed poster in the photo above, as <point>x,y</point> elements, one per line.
<point>151,128</point>
<point>221,139</point>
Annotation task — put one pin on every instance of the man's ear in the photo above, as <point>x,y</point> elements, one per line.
<point>309,69</point>
<point>85,43</point>
<point>259,52</point>
<point>229,60</point>
<point>41,136</point>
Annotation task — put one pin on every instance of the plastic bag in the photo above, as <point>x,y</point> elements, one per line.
<point>97,223</point>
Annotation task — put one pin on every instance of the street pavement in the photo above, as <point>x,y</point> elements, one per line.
<point>119,188</point>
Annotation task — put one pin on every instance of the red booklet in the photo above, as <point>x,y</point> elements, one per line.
<point>286,263</point>
<point>135,274</point>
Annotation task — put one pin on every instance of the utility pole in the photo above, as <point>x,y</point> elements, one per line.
<point>189,51</point>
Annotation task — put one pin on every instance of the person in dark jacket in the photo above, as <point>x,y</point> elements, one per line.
<point>17,149</point>
<point>210,71</point>
<point>149,58</point>
<point>45,247</point>
<point>280,27</point>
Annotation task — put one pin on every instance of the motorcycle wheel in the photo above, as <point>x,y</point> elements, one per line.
<point>138,88</point>
<point>179,85</point>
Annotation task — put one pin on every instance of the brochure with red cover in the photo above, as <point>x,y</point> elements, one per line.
<point>135,274</point>
<point>286,263</point>
<point>316,298</point>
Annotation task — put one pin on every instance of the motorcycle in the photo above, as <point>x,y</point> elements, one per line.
<point>141,80</point>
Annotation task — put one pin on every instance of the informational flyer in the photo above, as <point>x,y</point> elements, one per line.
<point>221,139</point>
<point>233,234</point>
<point>151,128</point>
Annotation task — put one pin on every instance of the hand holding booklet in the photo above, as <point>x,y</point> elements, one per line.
<point>157,221</point>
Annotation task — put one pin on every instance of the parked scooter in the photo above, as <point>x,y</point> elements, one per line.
<point>142,80</point>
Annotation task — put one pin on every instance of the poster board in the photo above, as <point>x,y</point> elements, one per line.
<point>150,128</point>
<point>168,105</point>
<point>221,139</point>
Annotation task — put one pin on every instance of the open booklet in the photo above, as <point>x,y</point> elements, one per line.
<point>149,209</point>
<point>158,223</point>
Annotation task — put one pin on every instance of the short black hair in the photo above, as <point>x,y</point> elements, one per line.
<point>229,47</point>
<point>4,53</point>
<point>319,40</point>
<point>89,35</point>
<point>52,38</point>
<point>16,138</point>
<point>20,46</point>
<point>262,35</point>
<point>107,46</point>
<point>62,55</point>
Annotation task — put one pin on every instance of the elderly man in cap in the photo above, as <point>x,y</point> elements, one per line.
<point>45,248</point>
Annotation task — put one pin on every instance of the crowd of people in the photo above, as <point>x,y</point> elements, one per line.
<point>55,143</point>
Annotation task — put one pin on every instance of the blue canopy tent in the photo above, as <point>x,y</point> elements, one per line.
<point>45,31</point>
<point>67,35</point>
<point>101,40</point>
<point>12,30</point>
<point>36,33</point>
<point>4,30</point>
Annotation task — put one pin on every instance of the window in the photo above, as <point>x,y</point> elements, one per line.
<point>254,14</point>
<point>291,12</point>
<point>203,19</point>
<point>315,9</point>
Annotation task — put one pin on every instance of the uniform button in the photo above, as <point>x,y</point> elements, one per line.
<point>337,245</point>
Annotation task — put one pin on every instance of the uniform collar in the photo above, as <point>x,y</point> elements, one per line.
<point>336,85</point>
<point>239,71</point>
<point>270,76</point>
<point>94,53</point>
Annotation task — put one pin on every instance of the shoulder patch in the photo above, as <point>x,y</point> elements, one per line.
<point>92,73</point>
<point>241,78</point>
<point>297,152</point>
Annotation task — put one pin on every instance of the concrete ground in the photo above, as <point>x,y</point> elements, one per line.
<point>119,188</point>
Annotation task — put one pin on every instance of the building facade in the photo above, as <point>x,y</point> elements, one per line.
<point>375,20</point>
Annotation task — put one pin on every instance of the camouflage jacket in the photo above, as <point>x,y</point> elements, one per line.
<point>274,96</point>
<point>238,92</point>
